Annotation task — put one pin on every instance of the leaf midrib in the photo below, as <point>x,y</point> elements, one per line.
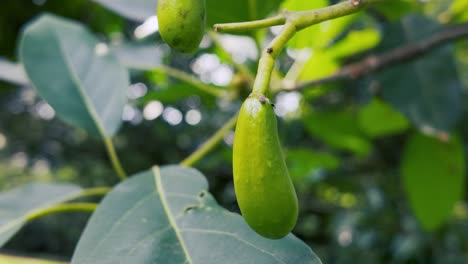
<point>76,80</point>
<point>157,180</point>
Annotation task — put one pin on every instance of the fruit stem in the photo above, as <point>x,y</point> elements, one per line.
<point>269,54</point>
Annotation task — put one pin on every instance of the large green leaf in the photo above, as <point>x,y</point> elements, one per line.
<point>75,74</point>
<point>166,215</point>
<point>17,204</point>
<point>427,90</point>
<point>433,175</point>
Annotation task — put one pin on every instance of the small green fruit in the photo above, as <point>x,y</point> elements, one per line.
<point>264,190</point>
<point>182,23</point>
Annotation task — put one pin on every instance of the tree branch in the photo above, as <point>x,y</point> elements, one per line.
<point>301,19</point>
<point>404,53</point>
<point>293,22</point>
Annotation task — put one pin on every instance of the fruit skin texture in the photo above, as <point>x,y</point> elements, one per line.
<point>264,190</point>
<point>182,23</point>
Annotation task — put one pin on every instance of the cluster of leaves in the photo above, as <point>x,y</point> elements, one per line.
<point>380,171</point>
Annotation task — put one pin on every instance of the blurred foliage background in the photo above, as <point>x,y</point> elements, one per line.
<point>347,144</point>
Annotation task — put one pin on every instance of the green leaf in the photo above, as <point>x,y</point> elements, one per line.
<point>426,90</point>
<point>166,215</point>
<point>138,10</point>
<point>379,119</point>
<point>303,162</point>
<point>75,74</point>
<point>337,129</point>
<point>433,175</point>
<point>17,204</point>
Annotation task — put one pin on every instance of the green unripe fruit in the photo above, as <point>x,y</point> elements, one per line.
<point>264,190</point>
<point>182,23</point>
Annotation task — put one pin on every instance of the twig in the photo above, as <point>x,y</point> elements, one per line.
<point>301,19</point>
<point>280,19</point>
<point>375,63</point>
<point>293,22</point>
